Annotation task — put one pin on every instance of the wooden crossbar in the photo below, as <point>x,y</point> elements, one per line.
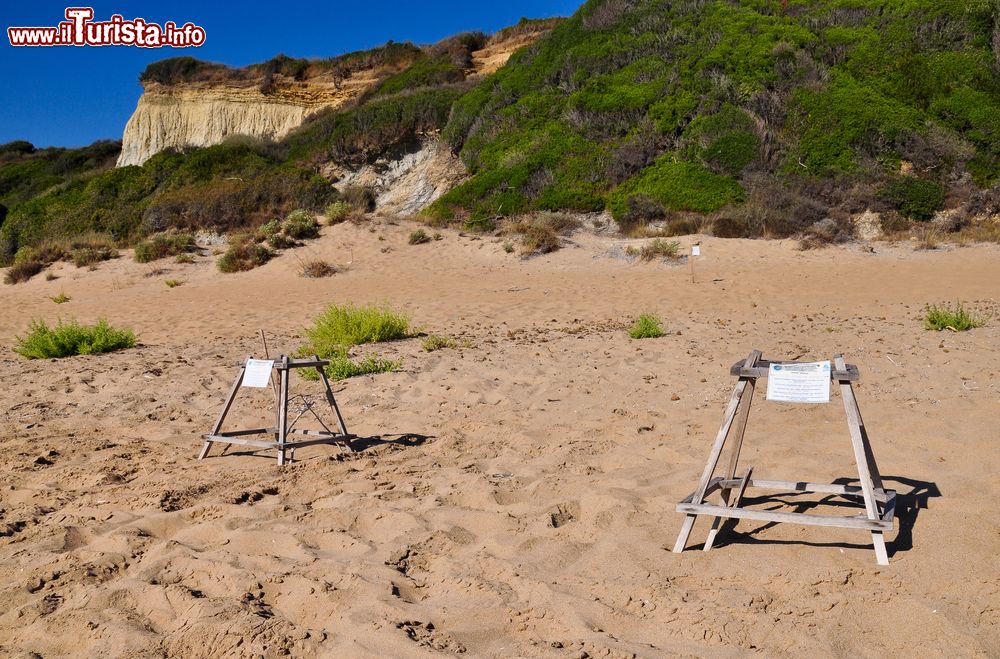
<point>879,503</point>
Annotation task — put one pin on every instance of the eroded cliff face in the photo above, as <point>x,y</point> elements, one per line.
<point>205,114</point>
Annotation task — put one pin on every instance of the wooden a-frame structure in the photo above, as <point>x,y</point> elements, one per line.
<point>880,503</point>
<point>283,429</point>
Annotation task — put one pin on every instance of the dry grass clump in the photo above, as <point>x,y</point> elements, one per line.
<point>419,237</point>
<point>659,249</point>
<point>317,269</point>
<point>433,342</point>
<point>85,250</point>
<point>540,233</point>
<point>161,245</point>
<point>23,271</point>
<point>828,231</point>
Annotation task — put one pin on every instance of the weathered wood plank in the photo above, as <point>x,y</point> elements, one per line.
<point>849,374</point>
<point>775,516</point>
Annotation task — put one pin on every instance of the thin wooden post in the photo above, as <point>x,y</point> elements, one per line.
<point>283,410</point>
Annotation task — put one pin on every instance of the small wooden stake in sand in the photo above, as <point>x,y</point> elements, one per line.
<point>880,503</point>
<point>695,251</point>
<point>251,374</point>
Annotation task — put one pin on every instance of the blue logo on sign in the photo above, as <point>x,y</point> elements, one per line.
<point>777,367</point>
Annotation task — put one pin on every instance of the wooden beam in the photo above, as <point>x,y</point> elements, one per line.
<point>775,516</point>
<point>849,374</point>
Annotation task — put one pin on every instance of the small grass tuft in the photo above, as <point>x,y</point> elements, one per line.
<point>434,342</point>
<point>72,338</point>
<point>184,258</point>
<point>317,269</point>
<point>944,317</point>
<point>419,237</point>
<point>646,326</point>
<point>62,298</point>
<point>660,249</point>
<point>173,283</point>
<point>342,367</point>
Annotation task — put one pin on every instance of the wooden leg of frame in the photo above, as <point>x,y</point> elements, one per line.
<point>682,537</point>
<point>881,555</point>
<point>225,410</point>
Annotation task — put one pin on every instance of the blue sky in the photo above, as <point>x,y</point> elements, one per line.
<point>71,96</point>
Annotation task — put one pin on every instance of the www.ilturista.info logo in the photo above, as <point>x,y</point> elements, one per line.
<point>79,29</point>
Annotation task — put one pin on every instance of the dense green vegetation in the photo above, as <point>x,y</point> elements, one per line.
<point>649,108</point>
<point>72,338</point>
<point>339,328</point>
<point>745,117</point>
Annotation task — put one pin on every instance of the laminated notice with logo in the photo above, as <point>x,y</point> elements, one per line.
<point>799,383</point>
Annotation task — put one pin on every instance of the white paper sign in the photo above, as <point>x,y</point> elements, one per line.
<point>799,383</point>
<point>258,373</point>
<point>695,250</point>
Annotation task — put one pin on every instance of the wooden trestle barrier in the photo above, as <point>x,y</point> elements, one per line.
<point>880,503</point>
<point>282,429</point>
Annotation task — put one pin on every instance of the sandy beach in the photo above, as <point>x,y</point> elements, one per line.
<point>512,496</point>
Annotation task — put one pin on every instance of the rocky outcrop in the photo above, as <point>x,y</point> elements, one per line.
<point>408,181</point>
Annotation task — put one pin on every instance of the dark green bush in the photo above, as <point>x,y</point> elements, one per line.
<point>243,254</point>
<point>917,199</point>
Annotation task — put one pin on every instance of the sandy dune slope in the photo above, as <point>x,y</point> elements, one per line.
<point>513,497</point>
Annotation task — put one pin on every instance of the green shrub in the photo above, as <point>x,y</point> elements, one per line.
<point>184,258</point>
<point>85,256</point>
<point>23,271</point>
<point>243,254</point>
<point>646,326</point>
<point>300,225</point>
<point>72,338</point>
<point>681,186</point>
<point>419,237</point>
<point>162,245</point>
<point>944,317</point>
<point>62,298</point>
<point>338,211</point>
<point>342,326</point>
<point>173,283</point>
<point>917,199</point>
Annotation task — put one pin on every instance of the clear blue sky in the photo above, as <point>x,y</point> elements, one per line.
<point>71,96</point>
